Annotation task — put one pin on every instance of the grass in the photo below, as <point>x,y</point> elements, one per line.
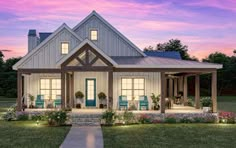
<point>26,134</point>
<point>170,135</point>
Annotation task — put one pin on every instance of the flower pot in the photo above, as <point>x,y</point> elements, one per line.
<point>156,107</point>
<point>78,105</point>
<point>206,109</point>
<point>101,106</point>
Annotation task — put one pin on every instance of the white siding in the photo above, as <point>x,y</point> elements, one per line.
<point>101,83</point>
<point>152,84</point>
<point>50,53</point>
<point>108,41</point>
<point>32,84</point>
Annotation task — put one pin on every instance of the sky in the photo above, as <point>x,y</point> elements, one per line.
<point>206,26</point>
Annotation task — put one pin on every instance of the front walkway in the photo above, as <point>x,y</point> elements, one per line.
<point>84,137</point>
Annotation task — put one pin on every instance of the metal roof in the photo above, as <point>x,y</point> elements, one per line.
<point>159,62</point>
<point>44,35</point>
<point>164,54</point>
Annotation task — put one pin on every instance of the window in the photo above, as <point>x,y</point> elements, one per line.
<point>50,88</point>
<point>64,48</point>
<point>94,35</point>
<point>132,87</point>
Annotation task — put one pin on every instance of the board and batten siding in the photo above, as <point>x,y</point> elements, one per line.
<point>101,83</point>
<point>152,84</point>
<point>108,40</point>
<point>48,55</point>
<point>32,84</point>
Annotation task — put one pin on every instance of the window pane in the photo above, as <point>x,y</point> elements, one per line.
<point>94,34</point>
<point>64,48</point>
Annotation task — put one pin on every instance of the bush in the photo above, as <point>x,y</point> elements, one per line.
<point>10,114</point>
<point>38,116</point>
<point>109,117</point>
<point>11,93</point>
<point>56,118</point>
<point>22,116</point>
<point>186,119</point>
<point>79,94</point>
<point>206,102</point>
<point>227,117</point>
<point>190,102</point>
<point>128,117</point>
<point>102,96</point>
<point>144,119</point>
<point>198,120</point>
<point>170,119</point>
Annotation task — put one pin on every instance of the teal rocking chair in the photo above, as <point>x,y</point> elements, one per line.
<point>57,101</point>
<point>143,102</point>
<point>39,101</point>
<point>123,102</point>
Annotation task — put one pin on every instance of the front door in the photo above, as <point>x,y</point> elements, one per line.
<point>90,92</point>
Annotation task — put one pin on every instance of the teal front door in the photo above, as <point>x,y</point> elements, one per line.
<point>90,92</point>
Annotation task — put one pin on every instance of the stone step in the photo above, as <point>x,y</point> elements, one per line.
<point>86,119</point>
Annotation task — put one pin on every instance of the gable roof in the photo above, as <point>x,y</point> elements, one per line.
<point>159,62</point>
<point>28,55</point>
<point>74,50</point>
<point>164,54</point>
<point>94,13</point>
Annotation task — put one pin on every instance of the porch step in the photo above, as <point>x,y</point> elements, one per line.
<point>86,119</point>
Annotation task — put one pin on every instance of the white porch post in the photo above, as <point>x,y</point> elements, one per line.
<point>185,89</point>
<point>163,89</point>
<point>197,91</point>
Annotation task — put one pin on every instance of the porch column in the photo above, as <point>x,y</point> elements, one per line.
<point>214,91</point>
<point>197,91</point>
<point>110,89</point>
<point>72,90</point>
<point>19,91</point>
<point>185,90</point>
<point>175,87</point>
<point>68,90</point>
<point>163,87</point>
<point>63,89</point>
<point>180,82</point>
<point>170,88</point>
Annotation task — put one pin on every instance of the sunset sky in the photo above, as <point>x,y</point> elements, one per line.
<point>205,26</point>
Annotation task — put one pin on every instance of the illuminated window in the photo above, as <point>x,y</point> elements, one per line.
<point>132,87</point>
<point>94,35</point>
<point>64,48</point>
<point>50,88</point>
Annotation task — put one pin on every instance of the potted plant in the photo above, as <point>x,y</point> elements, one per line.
<point>206,104</point>
<point>79,98</point>
<point>102,97</point>
<point>155,101</point>
<point>31,98</point>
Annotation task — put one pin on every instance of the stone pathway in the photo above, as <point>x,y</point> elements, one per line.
<point>84,137</point>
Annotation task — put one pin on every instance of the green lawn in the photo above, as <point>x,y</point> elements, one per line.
<point>170,135</point>
<point>26,134</point>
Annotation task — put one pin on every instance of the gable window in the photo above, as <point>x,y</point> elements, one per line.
<point>94,35</point>
<point>132,87</point>
<point>64,48</point>
<point>50,88</point>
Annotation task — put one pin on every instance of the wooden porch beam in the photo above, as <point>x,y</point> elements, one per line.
<point>110,89</point>
<point>214,91</point>
<point>186,70</point>
<point>88,68</point>
<point>185,90</point>
<point>163,89</point>
<point>19,91</point>
<point>197,91</point>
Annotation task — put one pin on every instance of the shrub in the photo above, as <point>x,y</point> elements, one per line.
<point>38,116</point>
<point>109,117</point>
<point>102,96</point>
<point>128,117</point>
<point>209,118</point>
<point>190,102</point>
<point>170,119</point>
<point>79,94</point>
<point>10,114</point>
<point>198,119</point>
<point>145,119</point>
<point>227,117</point>
<point>11,93</point>
<point>186,119</point>
<point>22,116</point>
<point>206,102</point>
<point>56,118</point>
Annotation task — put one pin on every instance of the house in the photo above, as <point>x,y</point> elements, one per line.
<point>95,57</point>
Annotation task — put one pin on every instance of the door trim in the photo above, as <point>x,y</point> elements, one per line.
<point>86,100</point>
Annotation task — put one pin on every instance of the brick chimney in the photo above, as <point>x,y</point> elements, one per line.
<point>33,39</point>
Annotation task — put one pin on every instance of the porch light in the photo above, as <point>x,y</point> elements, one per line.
<point>123,122</point>
<point>37,122</point>
<point>223,120</point>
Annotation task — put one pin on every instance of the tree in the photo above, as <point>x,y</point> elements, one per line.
<point>9,63</point>
<point>1,61</point>
<point>173,45</point>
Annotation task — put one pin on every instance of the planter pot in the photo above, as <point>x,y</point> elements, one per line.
<point>156,107</point>
<point>206,109</point>
<point>79,100</point>
<point>78,105</point>
<point>101,106</point>
<point>31,106</point>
